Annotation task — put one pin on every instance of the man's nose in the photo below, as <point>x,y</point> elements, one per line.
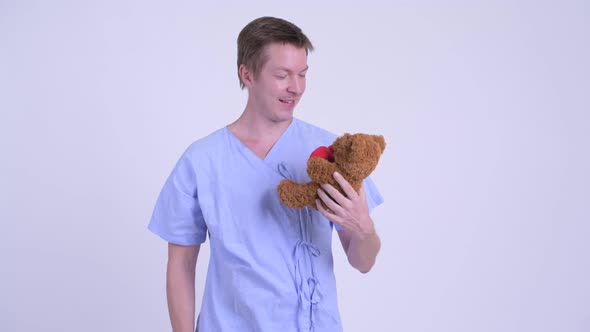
<point>296,85</point>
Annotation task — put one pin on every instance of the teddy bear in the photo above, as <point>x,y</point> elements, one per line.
<point>354,156</point>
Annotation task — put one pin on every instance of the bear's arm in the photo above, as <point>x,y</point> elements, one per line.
<point>321,170</point>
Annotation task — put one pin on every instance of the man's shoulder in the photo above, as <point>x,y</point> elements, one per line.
<point>207,145</point>
<point>315,132</point>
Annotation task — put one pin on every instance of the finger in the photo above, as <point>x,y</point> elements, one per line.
<point>327,214</point>
<point>334,193</point>
<point>329,202</point>
<point>348,189</point>
<point>320,207</point>
<point>362,193</point>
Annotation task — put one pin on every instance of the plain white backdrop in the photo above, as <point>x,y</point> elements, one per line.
<point>484,106</point>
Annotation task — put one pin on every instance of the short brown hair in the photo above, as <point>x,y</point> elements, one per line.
<point>261,32</point>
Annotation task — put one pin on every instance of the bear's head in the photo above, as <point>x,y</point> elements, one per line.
<point>357,155</point>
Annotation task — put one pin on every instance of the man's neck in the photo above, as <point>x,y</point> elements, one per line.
<point>253,127</point>
<point>258,133</point>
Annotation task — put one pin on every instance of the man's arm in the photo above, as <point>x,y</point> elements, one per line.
<point>361,250</point>
<point>351,212</point>
<point>180,286</point>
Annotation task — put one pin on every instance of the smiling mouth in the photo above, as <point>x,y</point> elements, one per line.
<point>287,101</point>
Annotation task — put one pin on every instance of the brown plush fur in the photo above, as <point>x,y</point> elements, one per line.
<point>355,157</point>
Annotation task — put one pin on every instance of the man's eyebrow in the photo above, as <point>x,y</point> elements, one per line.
<point>288,70</point>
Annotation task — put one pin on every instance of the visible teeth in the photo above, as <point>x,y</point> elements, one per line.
<point>286,101</point>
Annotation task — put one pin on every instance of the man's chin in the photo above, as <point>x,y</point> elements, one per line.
<point>283,117</point>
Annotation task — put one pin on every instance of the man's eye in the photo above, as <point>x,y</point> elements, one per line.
<point>280,77</point>
<point>302,75</point>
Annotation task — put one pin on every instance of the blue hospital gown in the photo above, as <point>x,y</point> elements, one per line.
<point>271,267</point>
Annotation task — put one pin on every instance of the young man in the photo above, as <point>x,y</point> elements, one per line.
<point>271,267</point>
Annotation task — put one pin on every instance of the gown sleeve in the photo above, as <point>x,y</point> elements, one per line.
<point>177,216</point>
<point>374,198</point>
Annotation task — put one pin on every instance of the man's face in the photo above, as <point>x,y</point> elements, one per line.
<point>280,83</point>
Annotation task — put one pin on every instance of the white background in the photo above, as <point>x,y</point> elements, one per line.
<point>484,106</point>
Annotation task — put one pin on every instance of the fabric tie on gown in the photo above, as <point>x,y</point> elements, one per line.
<point>307,285</point>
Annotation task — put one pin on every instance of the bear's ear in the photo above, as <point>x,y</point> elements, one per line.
<point>357,145</point>
<point>342,143</point>
<point>380,141</point>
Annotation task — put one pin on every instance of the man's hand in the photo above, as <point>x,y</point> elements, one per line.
<point>359,238</point>
<point>351,212</point>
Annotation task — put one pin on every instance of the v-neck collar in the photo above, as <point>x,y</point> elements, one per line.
<point>271,157</point>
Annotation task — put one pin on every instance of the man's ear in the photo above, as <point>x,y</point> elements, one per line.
<point>246,75</point>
